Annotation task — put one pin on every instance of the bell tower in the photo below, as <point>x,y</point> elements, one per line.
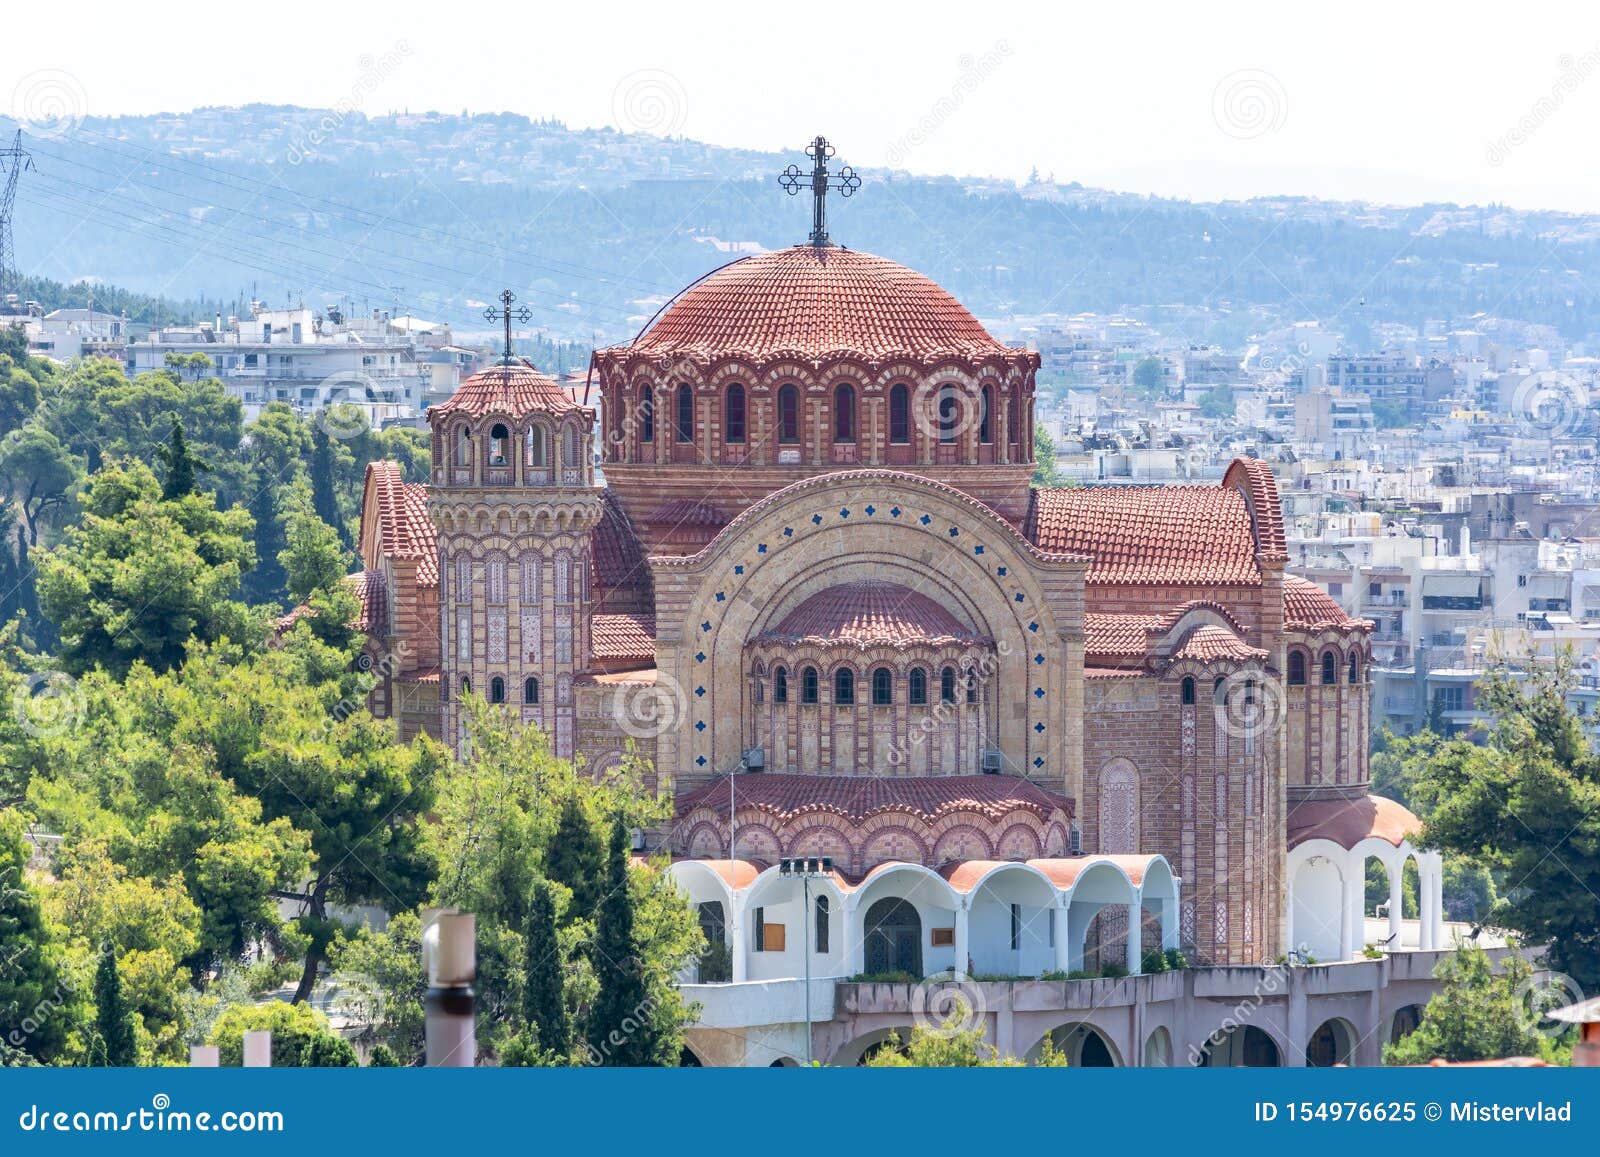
<point>514,503</point>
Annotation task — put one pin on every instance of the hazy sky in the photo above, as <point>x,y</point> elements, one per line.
<point>1390,101</point>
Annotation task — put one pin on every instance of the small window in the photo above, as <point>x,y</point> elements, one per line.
<point>917,687</point>
<point>1297,668</point>
<point>685,413</point>
<point>761,929</point>
<point>899,414</point>
<point>947,685</point>
<point>497,690</point>
<point>949,414</point>
<point>1188,691</point>
<point>1014,420</point>
<point>1329,669</point>
<point>820,922</point>
<point>499,438</point>
<point>972,687</point>
<point>844,687</point>
<point>535,451</point>
<point>1355,670</point>
<point>466,686</point>
<point>985,425</point>
<point>788,414</point>
<point>844,414</point>
<point>882,687</point>
<point>733,427</point>
<point>780,685</point>
<point>464,447</point>
<point>1016,927</point>
<point>647,415</point>
<point>530,690</point>
<point>808,685</point>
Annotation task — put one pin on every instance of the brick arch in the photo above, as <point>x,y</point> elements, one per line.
<point>893,840</point>
<point>962,841</point>
<point>1020,841</point>
<point>704,842</point>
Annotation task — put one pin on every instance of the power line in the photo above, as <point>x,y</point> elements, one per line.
<point>12,163</point>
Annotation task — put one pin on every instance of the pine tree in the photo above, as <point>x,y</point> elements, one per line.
<point>182,466</point>
<point>621,1026</point>
<point>112,1018</point>
<point>35,1004</point>
<point>576,857</point>
<point>324,498</point>
<point>543,1000</point>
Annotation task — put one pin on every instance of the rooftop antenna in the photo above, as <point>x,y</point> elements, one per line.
<point>13,161</point>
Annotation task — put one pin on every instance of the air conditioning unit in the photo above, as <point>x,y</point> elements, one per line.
<point>1075,841</point>
<point>755,759</point>
<point>993,762</point>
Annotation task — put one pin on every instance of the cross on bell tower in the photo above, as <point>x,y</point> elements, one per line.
<point>506,314</point>
<point>793,179</point>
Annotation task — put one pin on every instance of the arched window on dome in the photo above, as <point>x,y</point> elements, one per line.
<point>733,414</point>
<point>949,414</point>
<point>899,414</point>
<point>947,685</point>
<point>844,414</point>
<point>788,413</point>
<point>535,455</point>
<point>1355,669</point>
<point>844,687</point>
<point>1014,418</point>
<point>917,687</point>
<point>1297,668</point>
<point>530,690</point>
<point>972,687</point>
<point>986,416</point>
<point>1186,691</point>
<point>808,685</point>
<point>882,687</point>
<point>780,685</point>
<point>497,690</point>
<point>499,444</point>
<point>571,447</point>
<point>685,416</point>
<point>463,453</point>
<point>1330,669</point>
<point>647,414</point>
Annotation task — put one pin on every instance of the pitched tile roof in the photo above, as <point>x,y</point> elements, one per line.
<point>1349,821</point>
<point>687,512</point>
<point>816,304</point>
<point>1177,535</point>
<point>621,638</point>
<point>866,614</point>
<point>619,563</point>
<point>1305,604</point>
<point>514,390</point>
<point>856,797</point>
<point>1209,643</point>
<point>367,586</point>
<point>404,529</point>
<point>1117,636</point>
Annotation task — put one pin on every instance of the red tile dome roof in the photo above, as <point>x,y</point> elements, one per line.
<point>1305,604</point>
<point>515,390</point>
<point>866,614</point>
<point>817,304</point>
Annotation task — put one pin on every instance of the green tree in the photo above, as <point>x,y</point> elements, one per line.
<point>1218,403</point>
<point>577,856</point>
<point>38,475</point>
<point>1046,465</point>
<point>544,998</point>
<point>953,1047</point>
<point>115,1045</point>
<point>324,495</point>
<point>1478,1014</point>
<point>1526,805</point>
<point>387,997</point>
<point>382,1057</point>
<point>182,466</point>
<point>301,1037</point>
<point>1148,377</point>
<point>140,577</point>
<point>36,1005</point>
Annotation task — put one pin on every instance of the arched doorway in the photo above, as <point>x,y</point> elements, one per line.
<point>1245,1047</point>
<point>1332,1044</point>
<point>1158,1050</point>
<point>687,1059</point>
<point>1083,1046</point>
<point>1407,1019</point>
<point>893,938</point>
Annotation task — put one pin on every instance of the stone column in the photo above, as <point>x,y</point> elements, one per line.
<point>1135,938</point>
<point>962,943</point>
<point>1397,909</point>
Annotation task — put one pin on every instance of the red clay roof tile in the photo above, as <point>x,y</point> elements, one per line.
<point>856,797</point>
<point>866,614</point>
<point>515,390</point>
<point>617,638</point>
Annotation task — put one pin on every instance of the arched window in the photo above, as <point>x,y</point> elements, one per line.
<point>972,687</point>
<point>780,685</point>
<point>949,414</point>
<point>882,687</point>
<point>899,413</point>
<point>499,439</point>
<point>685,421</point>
<point>947,685</point>
<point>1188,691</point>
<point>647,414</point>
<point>463,446</point>
<point>530,690</point>
<point>985,419</point>
<point>535,452</point>
<point>571,441</point>
<point>844,414</point>
<point>1297,668</point>
<point>808,685</point>
<point>1330,674</point>
<point>844,687</point>
<point>917,687</point>
<point>466,686</point>
<point>820,922</point>
<point>733,424</point>
<point>1014,419</point>
<point>1355,669</point>
<point>497,690</point>
<point>788,413</point>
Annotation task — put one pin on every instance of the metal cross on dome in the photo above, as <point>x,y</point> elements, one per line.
<point>793,179</point>
<point>506,314</point>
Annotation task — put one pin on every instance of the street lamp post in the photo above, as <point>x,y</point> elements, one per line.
<point>806,869</point>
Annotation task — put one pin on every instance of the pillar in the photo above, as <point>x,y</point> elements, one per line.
<point>961,946</point>
<point>1063,938</point>
<point>1397,908</point>
<point>1135,938</point>
<point>1352,926</point>
<point>736,937</point>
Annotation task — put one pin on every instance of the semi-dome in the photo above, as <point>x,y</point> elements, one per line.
<point>866,614</point>
<point>513,388</point>
<point>816,303</point>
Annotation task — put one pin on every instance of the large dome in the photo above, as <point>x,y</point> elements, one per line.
<point>816,303</point>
